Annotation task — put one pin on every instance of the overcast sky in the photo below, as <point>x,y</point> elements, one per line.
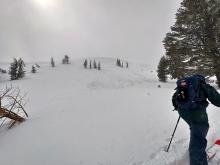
<point>37,30</point>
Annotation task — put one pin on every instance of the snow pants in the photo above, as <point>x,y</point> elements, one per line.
<point>198,143</point>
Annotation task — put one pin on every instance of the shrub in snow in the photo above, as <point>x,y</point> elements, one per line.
<point>3,71</point>
<point>38,66</point>
<point>33,70</point>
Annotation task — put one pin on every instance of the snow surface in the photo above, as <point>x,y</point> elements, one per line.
<point>115,116</point>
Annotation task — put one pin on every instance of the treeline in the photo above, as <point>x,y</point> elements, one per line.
<point>17,69</point>
<point>193,44</point>
<point>121,64</point>
<point>92,64</point>
<point>65,60</point>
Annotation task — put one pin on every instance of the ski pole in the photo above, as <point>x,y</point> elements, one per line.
<point>167,150</point>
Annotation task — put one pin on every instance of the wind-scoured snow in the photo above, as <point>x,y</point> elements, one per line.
<point>116,116</point>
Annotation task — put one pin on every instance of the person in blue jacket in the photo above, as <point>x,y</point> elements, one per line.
<point>197,119</point>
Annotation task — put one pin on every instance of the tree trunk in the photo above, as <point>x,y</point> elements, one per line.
<point>216,62</point>
<point>217,74</point>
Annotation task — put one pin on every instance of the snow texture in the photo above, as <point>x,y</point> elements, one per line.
<point>116,116</point>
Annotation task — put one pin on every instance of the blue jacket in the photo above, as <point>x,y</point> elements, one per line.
<point>199,114</point>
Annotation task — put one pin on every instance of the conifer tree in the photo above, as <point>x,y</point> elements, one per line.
<point>94,64</point>
<point>85,63</point>
<point>117,62</point>
<point>52,62</point>
<point>99,66</point>
<point>90,64</point>
<point>13,69</point>
<point>191,45</point>
<point>213,36</point>
<point>21,71</point>
<point>65,59</point>
<point>162,69</point>
<point>16,70</point>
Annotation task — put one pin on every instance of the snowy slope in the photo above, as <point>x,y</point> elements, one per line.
<point>115,116</point>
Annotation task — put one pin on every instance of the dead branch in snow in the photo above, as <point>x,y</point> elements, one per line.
<point>12,104</point>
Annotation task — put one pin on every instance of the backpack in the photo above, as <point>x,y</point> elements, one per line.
<point>188,91</point>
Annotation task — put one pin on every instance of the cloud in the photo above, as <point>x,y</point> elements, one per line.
<point>129,29</point>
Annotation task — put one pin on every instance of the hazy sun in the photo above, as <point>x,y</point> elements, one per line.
<point>44,3</point>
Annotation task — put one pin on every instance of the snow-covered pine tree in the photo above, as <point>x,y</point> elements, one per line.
<point>162,69</point>
<point>21,71</point>
<point>67,59</point>
<point>13,69</point>
<point>94,64</point>
<point>213,36</point>
<point>126,64</point>
<point>188,44</point>
<point>90,64</point>
<point>85,63</point>
<point>99,66</point>
<point>119,63</point>
<point>52,62</point>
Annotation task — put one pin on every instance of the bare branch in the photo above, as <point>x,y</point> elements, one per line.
<point>12,105</point>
